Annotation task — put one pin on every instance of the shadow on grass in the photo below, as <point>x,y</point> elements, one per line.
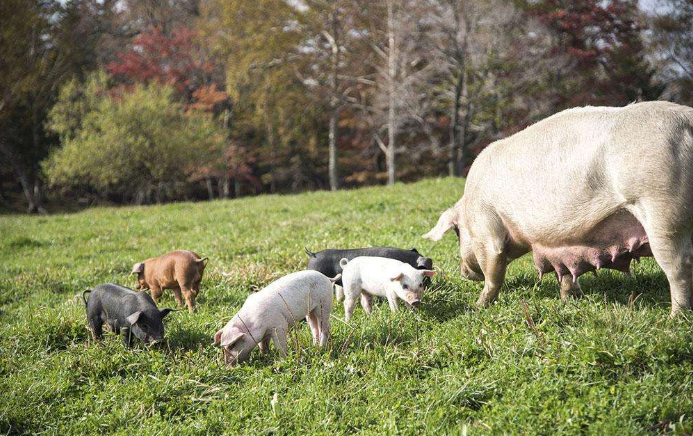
<point>447,303</point>
<point>651,287</point>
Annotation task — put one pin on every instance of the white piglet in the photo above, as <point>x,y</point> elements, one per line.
<point>366,276</point>
<point>271,312</point>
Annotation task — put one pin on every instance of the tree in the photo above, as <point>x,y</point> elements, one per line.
<point>327,23</point>
<point>42,44</point>
<point>170,59</point>
<point>260,42</point>
<point>488,51</point>
<point>400,72</point>
<point>604,44</point>
<point>128,143</point>
<point>673,47</point>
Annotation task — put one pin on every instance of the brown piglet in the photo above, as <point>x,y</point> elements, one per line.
<point>180,270</point>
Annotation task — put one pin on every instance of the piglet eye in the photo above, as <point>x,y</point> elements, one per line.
<point>405,286</point>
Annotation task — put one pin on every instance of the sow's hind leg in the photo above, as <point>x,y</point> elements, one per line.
<point>672,248</point>
<point>493,266</point>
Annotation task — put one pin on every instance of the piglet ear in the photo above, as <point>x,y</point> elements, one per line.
<point>137,268</point>
<point>235,339</point>
<point>165,311</point>
<point>428,272</point>
<point>217,337</point>
<point>397,277</point>
<point>132,319</point>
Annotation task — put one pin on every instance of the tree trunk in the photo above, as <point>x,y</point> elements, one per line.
<point>391,114</point>
<point>210,187</point>
<point>32,191</point>
<point>271,141</point>
<point>334,105</point>
<point>236,184</point>
<point>453,167</point>
<point>459,156</point>
<point>273,157</point>
<point>225,189</point>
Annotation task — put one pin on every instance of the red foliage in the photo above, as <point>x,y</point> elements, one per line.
<point>171,59</point>
<point>597,35</point>
<point>208,96</point>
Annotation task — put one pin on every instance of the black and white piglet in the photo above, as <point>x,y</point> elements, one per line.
<point>129,313</point>
<point>327,261</point>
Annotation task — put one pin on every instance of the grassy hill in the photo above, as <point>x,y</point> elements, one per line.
<point>611,363</point>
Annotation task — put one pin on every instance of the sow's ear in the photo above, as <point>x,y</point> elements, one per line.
<point>165,311</point>
<point>132,319</point>
<point>415,250</point>
<point>445,223</point>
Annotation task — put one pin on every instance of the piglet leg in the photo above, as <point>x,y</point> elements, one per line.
<point>179,297</point>
<point>349,305</point>
<point>312,319</point>
<point>324,324</point>
<point>339,292</point>
<point>366,302</point>
<point>126,336</point>
<point>392,301</point>
<point>264,345</point>
<point>189,300</point>
<point>96,327</point>
<point>155,292</point>
<point>279,339</point>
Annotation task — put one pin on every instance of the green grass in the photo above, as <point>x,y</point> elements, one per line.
<point>609,363</point>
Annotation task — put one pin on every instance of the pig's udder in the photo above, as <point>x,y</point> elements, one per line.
<point>612,243</point>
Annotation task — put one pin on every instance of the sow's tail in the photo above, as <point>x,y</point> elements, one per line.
<point>84,296</point>
<point>308,252</point>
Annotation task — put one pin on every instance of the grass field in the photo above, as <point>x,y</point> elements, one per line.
<point>610,363</point>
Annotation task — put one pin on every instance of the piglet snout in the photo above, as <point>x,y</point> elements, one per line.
<point>415,303</point>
